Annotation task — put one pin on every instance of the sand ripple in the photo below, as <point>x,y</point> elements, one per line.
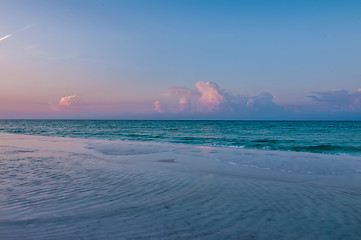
<point>78,196</point>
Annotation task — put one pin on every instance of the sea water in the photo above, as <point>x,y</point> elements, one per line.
<point>335,137</point>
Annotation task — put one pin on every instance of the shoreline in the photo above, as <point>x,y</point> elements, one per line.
<point>186,144</point>
<point>265,161</point>
<point>57,188</point>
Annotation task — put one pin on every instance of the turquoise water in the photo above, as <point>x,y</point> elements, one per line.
<point>299,136</point>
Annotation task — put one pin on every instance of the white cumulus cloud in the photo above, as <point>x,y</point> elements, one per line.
<point>210,96</point>
<point>66,101</point>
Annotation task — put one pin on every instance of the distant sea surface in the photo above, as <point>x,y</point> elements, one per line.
<point>298,136</point>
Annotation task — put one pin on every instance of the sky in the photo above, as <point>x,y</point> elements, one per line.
<point>185,59</point>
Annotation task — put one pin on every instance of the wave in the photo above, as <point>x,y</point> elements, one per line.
<point>316,137</point>
<point>326,148</point>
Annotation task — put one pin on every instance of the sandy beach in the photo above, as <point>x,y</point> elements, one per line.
<point>67,188</point>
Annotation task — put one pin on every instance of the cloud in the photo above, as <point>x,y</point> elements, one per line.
<point>66,101</point>
<point>263,102</point>
<point>208,98</point>
<point>7,36</point>
<point>184,103</point>
<point>158,107</point>
<point>339,100</point>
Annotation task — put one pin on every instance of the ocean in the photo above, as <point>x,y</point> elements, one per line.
<point>326,137</point>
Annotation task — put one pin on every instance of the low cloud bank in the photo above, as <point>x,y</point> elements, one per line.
<point>339,100</point>
<point>207,99</point>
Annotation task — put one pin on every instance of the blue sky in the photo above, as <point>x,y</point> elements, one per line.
<point>119,58</point>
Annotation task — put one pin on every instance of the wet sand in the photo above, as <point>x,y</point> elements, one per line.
<point>62,188</point>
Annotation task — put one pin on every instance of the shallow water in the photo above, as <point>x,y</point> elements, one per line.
<point>160,191</point>
<point>298,136</point>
